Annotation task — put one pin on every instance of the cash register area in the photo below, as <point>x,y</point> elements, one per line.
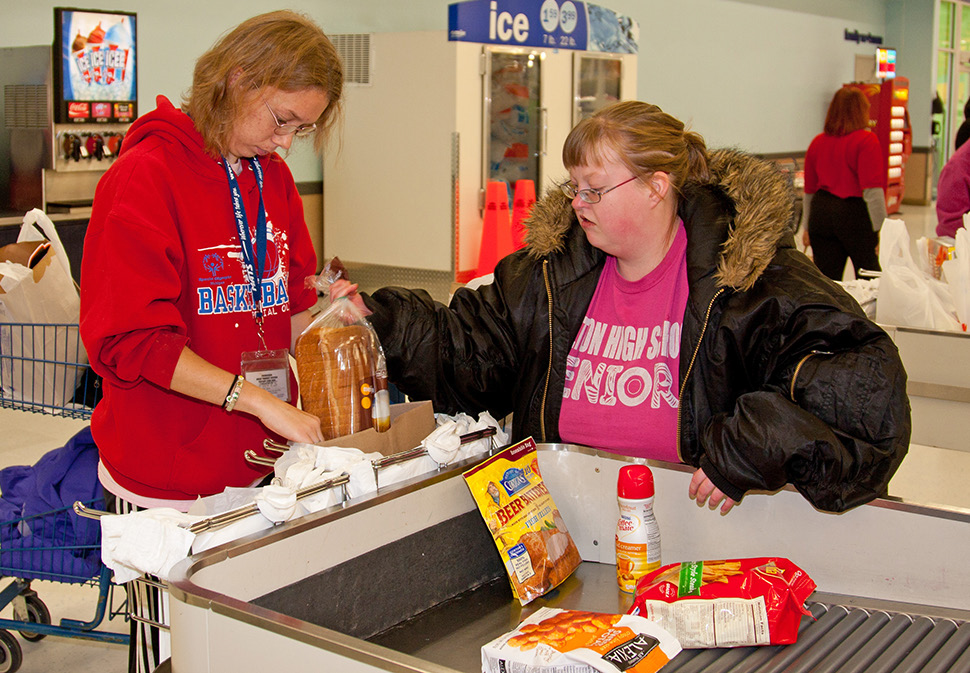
<point>927,475</point>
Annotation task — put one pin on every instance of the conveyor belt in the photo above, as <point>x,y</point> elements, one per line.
<point>847,640</point>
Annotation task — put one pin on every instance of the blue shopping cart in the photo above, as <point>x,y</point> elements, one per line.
<point>43,370</point>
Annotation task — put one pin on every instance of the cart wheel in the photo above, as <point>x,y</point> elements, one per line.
<point>11,656</point>
<point>38,613</point>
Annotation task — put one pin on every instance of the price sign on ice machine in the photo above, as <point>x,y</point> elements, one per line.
<point>551,24</point>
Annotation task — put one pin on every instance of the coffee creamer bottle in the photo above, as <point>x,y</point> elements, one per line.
<point>637,532</point>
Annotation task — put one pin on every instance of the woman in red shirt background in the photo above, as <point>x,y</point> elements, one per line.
<point>845,199</point>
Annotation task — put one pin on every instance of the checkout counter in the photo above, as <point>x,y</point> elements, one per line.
<point>408,579</point>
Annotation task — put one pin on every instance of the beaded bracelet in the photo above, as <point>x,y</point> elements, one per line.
<point>233,395</point>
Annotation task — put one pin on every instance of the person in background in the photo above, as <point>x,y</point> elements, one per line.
<point>660,310</point>
<point>193,268</point>
<point>845,181</point>
<point>964,131</point>
<point>953,192</point>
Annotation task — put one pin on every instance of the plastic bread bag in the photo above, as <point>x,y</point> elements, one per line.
<point>731,603</point>
<point>556,641</point>
<point>342,373</point>
<point>537,550</point>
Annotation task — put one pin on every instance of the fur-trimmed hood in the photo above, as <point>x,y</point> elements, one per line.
<point>764,204</point>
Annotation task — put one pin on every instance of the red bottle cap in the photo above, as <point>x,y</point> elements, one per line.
<point>635,482</point>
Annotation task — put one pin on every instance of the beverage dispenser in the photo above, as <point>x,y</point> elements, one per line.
<point>67,108</point>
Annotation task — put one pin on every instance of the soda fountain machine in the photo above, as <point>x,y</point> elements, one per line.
<point>66,108</point>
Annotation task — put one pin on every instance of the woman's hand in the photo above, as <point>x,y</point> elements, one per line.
<point>202,380</point>
<point>282,418</point>
<point>703,490</point>
<point>806,242</point>
<point>344,288</point>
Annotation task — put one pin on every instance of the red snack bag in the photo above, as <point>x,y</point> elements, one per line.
<point>756,601</point>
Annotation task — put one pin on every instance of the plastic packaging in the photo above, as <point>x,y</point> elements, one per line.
<point>637,531</point>
<point>727,603</point>
<point>343,378</point>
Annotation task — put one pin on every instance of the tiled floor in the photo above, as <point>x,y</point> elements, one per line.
<point>928,474</point>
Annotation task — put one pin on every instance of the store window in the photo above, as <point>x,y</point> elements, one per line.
<point>953,75</point>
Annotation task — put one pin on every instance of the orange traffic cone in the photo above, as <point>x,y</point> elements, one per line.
<point>525,198</point>
<point>496,228</point>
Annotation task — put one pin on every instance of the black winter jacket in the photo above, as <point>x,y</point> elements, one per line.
<point>783,379</point>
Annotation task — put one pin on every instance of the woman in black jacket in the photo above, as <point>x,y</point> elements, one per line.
<point>782,379</point>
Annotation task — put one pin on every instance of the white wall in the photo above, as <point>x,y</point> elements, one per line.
<point>756,74</point>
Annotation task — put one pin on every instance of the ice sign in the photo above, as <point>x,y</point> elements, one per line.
<point>563,24</point>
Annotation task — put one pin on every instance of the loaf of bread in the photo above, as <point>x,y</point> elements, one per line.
<point>336,368</point>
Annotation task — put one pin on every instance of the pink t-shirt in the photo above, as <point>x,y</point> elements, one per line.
<point>622,380</point>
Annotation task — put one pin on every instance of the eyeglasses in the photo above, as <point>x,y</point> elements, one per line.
<point>589,195</point>
<point>301,131</point>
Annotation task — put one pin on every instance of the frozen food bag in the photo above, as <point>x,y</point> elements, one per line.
<point>343,379</point>
<point>735,603</point>
<point>574,641</point>
<point>528,530</point>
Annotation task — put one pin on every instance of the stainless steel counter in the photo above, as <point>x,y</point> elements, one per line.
<point>333,591</point>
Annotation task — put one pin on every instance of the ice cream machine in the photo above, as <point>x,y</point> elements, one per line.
<point>67,107</point>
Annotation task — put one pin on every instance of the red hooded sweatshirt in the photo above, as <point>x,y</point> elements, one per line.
<point>162,269</point>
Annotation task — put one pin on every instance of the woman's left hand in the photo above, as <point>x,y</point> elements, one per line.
<point>703,490</point>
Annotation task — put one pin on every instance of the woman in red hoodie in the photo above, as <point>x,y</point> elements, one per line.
<point>194,266</point>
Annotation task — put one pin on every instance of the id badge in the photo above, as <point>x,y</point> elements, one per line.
<point>270,370</point>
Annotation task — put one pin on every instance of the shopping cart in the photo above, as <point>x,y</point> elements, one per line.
<point>61,547</point>
<point>43,369</point>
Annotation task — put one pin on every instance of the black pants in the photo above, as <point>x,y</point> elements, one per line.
<point>840,229</point>
<point>145,600</point>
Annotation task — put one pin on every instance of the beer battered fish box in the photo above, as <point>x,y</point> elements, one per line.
<point>730,603</point>
<point>531,537</point>
<point>574,641</point>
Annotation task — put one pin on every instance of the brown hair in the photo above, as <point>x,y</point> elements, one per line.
<point>848,112</point>
<point>284,50</point>
<point>644,137</point>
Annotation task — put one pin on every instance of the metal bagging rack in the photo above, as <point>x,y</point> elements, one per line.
<point>148,590</point>
<point>44,369</point>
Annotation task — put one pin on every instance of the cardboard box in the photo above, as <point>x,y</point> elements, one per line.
<point>411,422</point>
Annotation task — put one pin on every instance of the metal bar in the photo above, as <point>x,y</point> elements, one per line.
<point>918,656</point>
<point>962,664</point>
<point>897,650</point>
<point>848,647</point>
<point>806,639</point>
<point>879,643</point>
<point>270,445</point>
<point>256,459</point>
<point>807,660</point>
<point>956,645</point>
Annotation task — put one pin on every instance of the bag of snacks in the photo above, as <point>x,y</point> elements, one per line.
<point>754,601</point>
<point>343,377</point>
<point>553,640</point>
<point>531,537</point>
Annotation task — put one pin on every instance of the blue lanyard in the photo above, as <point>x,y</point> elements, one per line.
<point>254,261</point>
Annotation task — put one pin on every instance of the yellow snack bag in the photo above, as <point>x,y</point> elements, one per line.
<point>531,537</point>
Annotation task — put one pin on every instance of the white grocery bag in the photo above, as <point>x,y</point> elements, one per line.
<point>957,274</point>
<point>907,295</point>
<point>40,362</point>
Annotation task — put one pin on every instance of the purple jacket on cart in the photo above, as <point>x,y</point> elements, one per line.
<point>40,535</point>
